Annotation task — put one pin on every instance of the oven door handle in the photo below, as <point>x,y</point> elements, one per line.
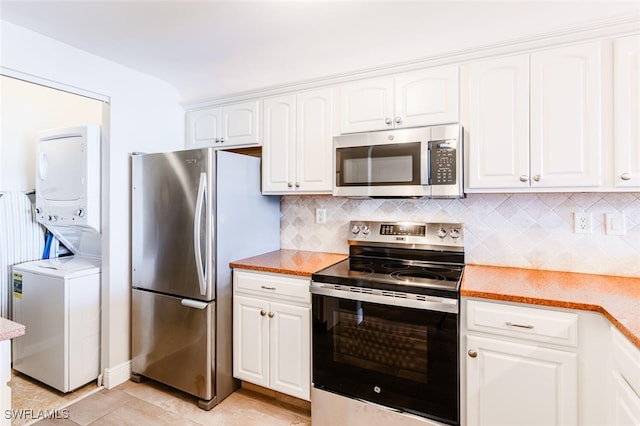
<point>427,303</point>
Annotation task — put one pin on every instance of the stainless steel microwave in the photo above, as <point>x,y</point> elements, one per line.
<point>418,162</point>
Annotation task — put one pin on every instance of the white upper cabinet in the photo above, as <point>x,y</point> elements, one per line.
<point>297,156</point>
<point>411,99</point>
<point>222,127</point>
<point>497,121</point>
<point>535,121</point>
<point>626,109</point>
<point>566,116</point>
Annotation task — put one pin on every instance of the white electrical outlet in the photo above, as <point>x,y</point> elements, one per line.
<point>582,222</point>
<point>321,216</point>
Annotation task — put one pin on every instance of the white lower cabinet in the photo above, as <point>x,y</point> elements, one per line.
<point>272,332</point>
<point>511,374</point>
<point>626,380</point>
<point>520,384</point>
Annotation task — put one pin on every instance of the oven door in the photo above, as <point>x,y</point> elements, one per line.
<point>402,357</point>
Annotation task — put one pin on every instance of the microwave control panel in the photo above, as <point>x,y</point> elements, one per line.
<point>442,165</point>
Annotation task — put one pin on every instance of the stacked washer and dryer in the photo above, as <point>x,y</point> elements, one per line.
<point>58,299</point>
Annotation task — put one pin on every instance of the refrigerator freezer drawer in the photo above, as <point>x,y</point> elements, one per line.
<point>173,342</point>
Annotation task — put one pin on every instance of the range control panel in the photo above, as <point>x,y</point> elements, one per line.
<point>444,235</point>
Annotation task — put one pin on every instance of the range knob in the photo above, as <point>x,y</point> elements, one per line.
<point>355,230</point>
<point>53,218</point>
<point>80,212</point>
<point>454,233</point>
<point>38,210</point>
<point>441,233</point>
<point>365,230</point>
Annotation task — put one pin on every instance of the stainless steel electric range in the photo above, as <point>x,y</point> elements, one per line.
<point>385,321</point>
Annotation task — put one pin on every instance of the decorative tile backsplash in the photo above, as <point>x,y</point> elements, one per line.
<point>520,230</point>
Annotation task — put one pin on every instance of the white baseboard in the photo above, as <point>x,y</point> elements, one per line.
<point>117,375</point>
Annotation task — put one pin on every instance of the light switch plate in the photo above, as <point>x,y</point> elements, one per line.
<point>615,223</point>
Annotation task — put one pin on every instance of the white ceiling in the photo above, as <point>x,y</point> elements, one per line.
<point>209,49</point>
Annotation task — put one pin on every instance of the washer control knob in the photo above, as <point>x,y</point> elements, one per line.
<point>365,230</point>
<point>441,233</point>
<point>355,230</point>
<point>454,233</point>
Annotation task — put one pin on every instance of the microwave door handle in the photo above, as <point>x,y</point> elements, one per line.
<point>426,179</point>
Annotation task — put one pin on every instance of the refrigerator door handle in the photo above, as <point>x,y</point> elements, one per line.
<point>197,218</point>
<point>193,304</point>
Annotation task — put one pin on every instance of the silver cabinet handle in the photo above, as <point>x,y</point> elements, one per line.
<point>511,324</point>
<point>537,178</point>
<point>398,120</point>
<point>625,176</point>
<point>271,314</point>
<point>472,353</point>
<point>524,178</point>
<point>263,313</point>
<point>267,288</point>
<point>388,121</point>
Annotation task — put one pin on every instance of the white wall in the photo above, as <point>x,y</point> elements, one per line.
<point>26,109</point>
<point>144,116</point>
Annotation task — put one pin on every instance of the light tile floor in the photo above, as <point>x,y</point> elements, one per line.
<point>151,403</point>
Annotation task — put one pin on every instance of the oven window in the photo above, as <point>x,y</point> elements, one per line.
<point>399,357</point>
<point>376,165</point>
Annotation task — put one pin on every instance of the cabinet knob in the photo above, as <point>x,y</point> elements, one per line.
<point>263,313</point>
<point>217,140</point>
<point>271,314</point>
<point>398,120</point>
<point>221,140</point>
<point>388,121</point>
<point>297,184</point>
<point>625,176</point>
<point>524,178</point>
<point>537,178</point>
<point>472,353</point>
<point>290,185</point>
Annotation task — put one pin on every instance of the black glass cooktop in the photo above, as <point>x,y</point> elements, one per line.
<point>409,276</point>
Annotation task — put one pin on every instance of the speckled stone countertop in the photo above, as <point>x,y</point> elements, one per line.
<point>10,329</point>
<point>292,262</point>
<point>617,298</point>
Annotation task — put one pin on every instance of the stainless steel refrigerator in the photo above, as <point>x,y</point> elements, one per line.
<point>192,213</point>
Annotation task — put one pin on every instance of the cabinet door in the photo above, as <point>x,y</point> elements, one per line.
<point>251,340</point>
<point>203,128</point>
<point>515,384</point>
<point>291,350</point>
<point>626,403</point>
<point>566,116</point>
<point>426,97</point>
<point>240,124</point>
<point>278,151</point>
<point>314,141</point>
<point>366,105</point>
<point>627,111</point>
<point>496,94</point>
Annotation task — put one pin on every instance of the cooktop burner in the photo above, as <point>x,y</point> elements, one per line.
<point>419,258</point>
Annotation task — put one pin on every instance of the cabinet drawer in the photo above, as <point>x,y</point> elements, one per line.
<point>540,325</point>
<point>626,358</point>
<point>277,286</point>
